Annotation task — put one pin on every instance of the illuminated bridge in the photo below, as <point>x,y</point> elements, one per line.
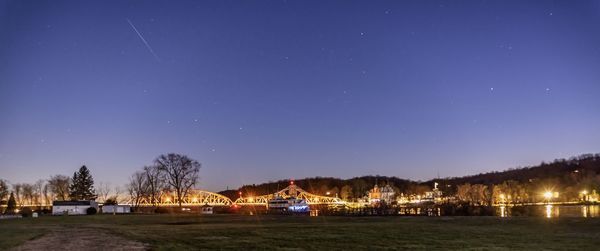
<point>195,198</point>
<point>290,191</point>
<point>199,198</point>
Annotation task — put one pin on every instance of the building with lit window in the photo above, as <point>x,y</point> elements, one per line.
<point>382,194</point>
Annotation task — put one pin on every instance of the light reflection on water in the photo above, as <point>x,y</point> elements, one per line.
<point>553,211</point>
<point>550,212</point>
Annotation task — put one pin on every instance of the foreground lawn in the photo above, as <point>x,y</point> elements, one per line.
<point>184,232</point>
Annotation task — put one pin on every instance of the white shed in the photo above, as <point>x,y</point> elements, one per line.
<point>77,207</point>
<point>117,209</point>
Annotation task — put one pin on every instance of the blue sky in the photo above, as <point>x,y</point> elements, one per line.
<point>267,90</point>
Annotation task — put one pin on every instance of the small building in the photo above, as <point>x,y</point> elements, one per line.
<point>434,195</point>
<point>116,209</point>
<point>76,207</point>
<point>382,194</point>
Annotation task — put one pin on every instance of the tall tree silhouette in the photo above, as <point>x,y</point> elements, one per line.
<point>12,204</point>
<point>82,186</point>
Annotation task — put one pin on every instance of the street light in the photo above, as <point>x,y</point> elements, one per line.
<point>584,193</point>
<point>548,196</point>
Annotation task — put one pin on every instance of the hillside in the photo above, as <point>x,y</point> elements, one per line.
<point>566,174</point>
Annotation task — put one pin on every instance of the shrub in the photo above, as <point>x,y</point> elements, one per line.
<point>26,212</point>
<point>91,211</point>
<point>162,210</point>
<point>111,201</point>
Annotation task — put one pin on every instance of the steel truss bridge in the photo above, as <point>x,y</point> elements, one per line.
<point>196,198</point>
<point>292,191</point>
<point>200,198</point>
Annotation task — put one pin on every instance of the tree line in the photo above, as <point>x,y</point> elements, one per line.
<point>170,177</point>
<point>174,176</point>
<point>43,192</point>
<point>568,177</point>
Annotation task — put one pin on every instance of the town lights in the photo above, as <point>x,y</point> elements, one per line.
<point>548,195</point>
<point>584,195</point>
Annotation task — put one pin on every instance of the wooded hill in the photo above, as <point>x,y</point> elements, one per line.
<point>568,175</point>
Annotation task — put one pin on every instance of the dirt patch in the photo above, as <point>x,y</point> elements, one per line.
<point>81,239</point>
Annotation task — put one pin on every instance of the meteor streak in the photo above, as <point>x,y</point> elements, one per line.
<point>143,40</point>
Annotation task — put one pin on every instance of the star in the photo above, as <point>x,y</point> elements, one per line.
<point>491,89</point>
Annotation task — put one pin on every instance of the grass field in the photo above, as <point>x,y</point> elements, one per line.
<point>185,232</point>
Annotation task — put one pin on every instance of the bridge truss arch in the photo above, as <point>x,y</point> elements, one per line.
<point>195,198</point>
<point>292,191</point>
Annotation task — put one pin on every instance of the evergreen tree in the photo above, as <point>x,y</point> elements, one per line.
<point>82,186</point>
<point>12,204</point>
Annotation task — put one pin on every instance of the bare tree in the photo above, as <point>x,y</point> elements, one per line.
<point>18,191</point>
<point>3,190</point>
<point>59,186</point>
<point>117,192</point>
<point>137,188</point>
<point>38,191</point>
<point>181,173</point>
<point>156,183</point>
<point>346,192</point>
<point>28,194</point>
<point>47,194</point>
<point>103,190</point>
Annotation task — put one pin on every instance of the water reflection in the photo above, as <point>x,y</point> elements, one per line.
<point>550,211</point>
<point>314,212</point>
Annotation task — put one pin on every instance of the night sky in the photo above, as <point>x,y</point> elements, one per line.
<point>266,90</point>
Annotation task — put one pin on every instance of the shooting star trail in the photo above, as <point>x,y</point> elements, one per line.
<point>143,40</point>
